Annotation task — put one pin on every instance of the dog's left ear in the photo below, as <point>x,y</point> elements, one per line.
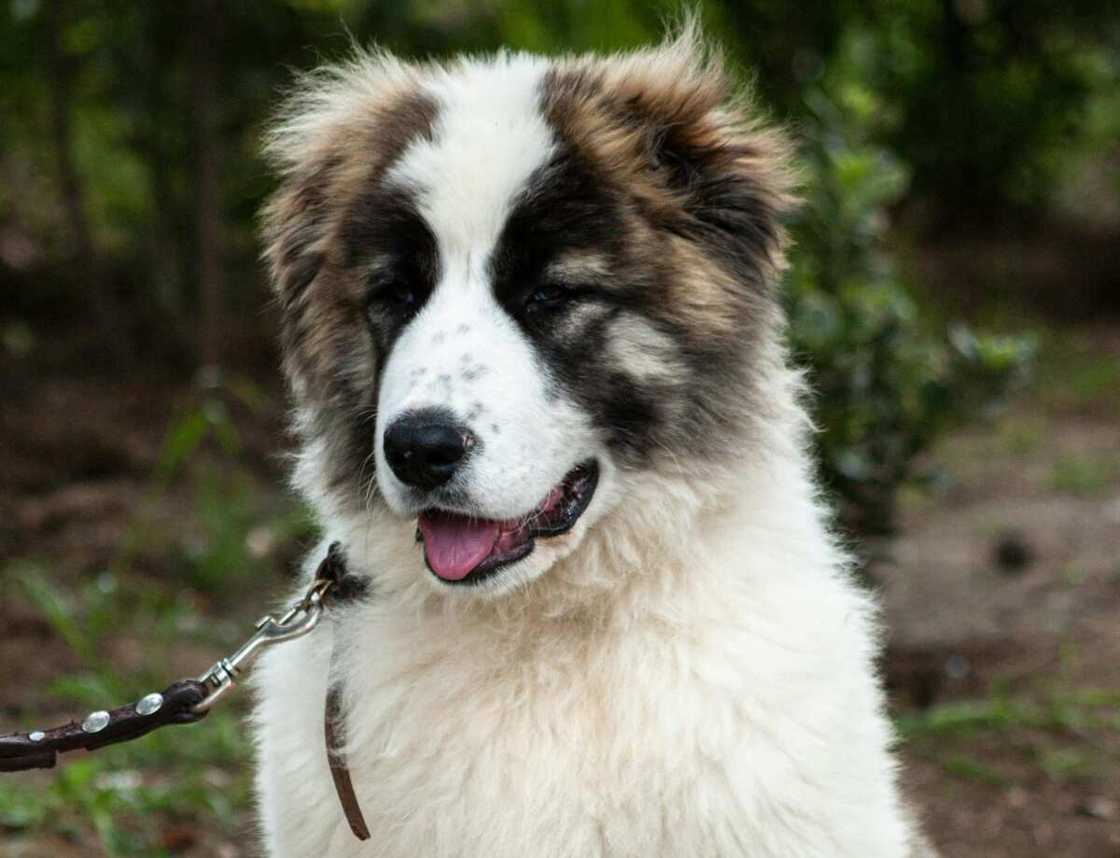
<point>692,148</point>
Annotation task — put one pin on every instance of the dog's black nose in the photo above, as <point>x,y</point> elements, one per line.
<point>424,448</point>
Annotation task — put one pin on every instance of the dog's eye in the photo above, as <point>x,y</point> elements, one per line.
<point>403,294</point>
<point>395,293</point>
<point>546,298</point>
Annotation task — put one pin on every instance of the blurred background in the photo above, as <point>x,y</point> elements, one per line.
<point>955,292</point>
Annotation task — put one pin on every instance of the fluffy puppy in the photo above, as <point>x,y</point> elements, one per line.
<point>535,347</point>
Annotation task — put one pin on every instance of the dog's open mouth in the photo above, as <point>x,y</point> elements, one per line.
<point>462,549</point>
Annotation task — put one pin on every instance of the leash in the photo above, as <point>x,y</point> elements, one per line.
<point>189,700</point>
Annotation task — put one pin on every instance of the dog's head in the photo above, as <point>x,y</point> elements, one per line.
<point>511,286</point>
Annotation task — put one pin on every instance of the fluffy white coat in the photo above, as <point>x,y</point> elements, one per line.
<point>712,695</point>
<point>696,678</point>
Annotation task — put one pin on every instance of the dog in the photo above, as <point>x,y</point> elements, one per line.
<point>533,335</point>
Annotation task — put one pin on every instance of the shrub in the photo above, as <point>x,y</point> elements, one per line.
<point>886,386</point>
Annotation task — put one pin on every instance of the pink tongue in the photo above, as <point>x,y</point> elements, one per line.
<point>455,544</point>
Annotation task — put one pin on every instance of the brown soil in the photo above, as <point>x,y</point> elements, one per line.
<point>1007,585</point>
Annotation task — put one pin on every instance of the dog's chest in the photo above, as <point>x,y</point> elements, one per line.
<point>493,748</point>
<point>651,742</point>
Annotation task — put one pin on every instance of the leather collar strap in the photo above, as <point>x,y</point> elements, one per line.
<point>344,587</point>
<point>340,773</point>
<point>189,700</point>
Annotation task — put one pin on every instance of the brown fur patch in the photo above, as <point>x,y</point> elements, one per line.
<point>666,128</point>
<point>302,219</point>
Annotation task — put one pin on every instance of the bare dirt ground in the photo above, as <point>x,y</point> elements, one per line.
<point>1002,602</point>
<point>1003,607</point>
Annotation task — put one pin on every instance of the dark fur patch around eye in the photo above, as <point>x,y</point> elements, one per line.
<point>567,208</point>
<point>329,215</point>
<point>690,238</point>
<point>384,225</point>
<point>299,216</point>
<point>563,208</point>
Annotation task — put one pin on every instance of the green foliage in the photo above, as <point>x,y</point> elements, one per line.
<point>1085,476</point>
<point>886,387</point>
<point>988,97</point>
<point>232,524</point>
<point>1076,377</point>
<point>1060,711</point>
<point>129,796</point>
<point>969,768</point>
<point>124,795</point>
<point>122,792</point>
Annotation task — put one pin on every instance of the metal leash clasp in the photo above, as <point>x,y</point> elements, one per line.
<point>300,619</point>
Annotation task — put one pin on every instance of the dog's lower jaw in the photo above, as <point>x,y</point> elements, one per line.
<point>722,705</point>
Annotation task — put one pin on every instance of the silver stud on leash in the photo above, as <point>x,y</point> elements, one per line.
<point>37,736</point>
<point>149,704</point>
<point>96,721</point>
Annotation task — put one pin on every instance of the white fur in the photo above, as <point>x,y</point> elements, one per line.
<point>689,674</point>
<point>695,680</point>
<point>489,137</point>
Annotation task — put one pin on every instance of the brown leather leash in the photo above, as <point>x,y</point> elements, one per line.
<point>189,700</point>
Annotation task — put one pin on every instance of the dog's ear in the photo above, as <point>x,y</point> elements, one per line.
<point>692,146</point>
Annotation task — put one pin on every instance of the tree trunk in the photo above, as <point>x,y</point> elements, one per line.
<point>83,257</point>
<point>204,117</point>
